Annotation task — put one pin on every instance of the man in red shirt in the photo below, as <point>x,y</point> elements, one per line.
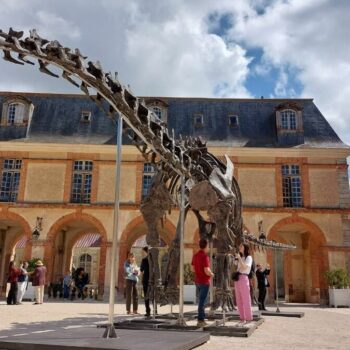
<point>201,268</point>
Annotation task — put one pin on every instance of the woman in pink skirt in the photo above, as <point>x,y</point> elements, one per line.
<point>242,290</point>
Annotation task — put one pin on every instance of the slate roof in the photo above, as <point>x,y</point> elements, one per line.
<point>57,118</point>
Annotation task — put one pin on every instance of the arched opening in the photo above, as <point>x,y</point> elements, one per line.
<point>71,237</point>
<point>300,271</point>
<point>18,251</point>
<point>134,239</point>
<point>15,243</point>
<point>86,255</point>
<point>140,242</point>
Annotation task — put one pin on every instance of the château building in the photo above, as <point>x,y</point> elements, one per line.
<point>57,164</point>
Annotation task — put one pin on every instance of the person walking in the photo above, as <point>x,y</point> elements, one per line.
<point>13,275</point>
<point>39,281</point>
<point>131,272</point>
<point>201,267</point>
<point>242,289</point>
<point>263,284</point>
<point>22,282</point>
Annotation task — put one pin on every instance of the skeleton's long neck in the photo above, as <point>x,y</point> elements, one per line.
<point>144,130</point>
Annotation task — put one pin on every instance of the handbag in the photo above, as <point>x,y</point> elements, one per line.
<point>235,276</point>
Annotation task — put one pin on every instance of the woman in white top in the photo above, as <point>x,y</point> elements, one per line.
<point>242,290</point>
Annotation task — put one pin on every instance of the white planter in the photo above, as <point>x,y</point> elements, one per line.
<point>339,297</point>
<point>190,293</point>
<point>30,293</point>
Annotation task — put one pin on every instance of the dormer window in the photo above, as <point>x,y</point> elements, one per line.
<point>158,112</point>
<point>15,114</point>
<point>288,119</point>
<point>198,120</point>
<point>233,121</point>
<point>159,108</point>
<point>85,117</point>
<point>16,111</point>
<point>289,123</point>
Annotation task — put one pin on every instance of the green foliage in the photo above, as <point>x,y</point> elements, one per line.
<point>337,278</point>
<point>31,264</point>
<point>188,274</point>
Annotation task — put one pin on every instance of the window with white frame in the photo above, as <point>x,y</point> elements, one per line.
<point>198,120</point>
<point>85,116</point>
<point>10,178</point>
<point>288,119</point>
<point>147,178</point>
<point>158,112</point>
<point>81,182</point>
<point>15,113</point>
<point>233,121</point>
<point>85,262</point>
<point>291,186</point>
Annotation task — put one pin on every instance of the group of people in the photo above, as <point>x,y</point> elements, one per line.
<point>244,263</point>
<point>201,268</point>
<point>18,278</point>
<point>74,284</point>
<point>132,273</point>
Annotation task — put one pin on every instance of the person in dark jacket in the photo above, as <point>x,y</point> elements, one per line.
<point>263,284</point>
<point>144,268</point>
<point>13,275</point>
<point>81,280</point>
<point>39,281</point>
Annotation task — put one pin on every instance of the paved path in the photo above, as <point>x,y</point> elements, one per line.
<point>321,328</point>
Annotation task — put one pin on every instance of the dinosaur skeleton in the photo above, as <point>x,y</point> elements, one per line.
<point>209,183</point>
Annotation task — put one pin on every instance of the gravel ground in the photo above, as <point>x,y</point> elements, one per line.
<point>320,328</point>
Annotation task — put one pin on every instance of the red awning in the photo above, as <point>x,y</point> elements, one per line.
<point>89,240</point>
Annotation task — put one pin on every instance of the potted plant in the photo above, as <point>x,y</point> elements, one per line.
<point>338,282</point>
<point>189,286</point>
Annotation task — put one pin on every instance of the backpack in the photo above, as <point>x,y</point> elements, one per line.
<point>252,271</point>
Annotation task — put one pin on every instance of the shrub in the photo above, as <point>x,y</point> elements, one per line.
<point>31,264</point>
<point>337,278</point>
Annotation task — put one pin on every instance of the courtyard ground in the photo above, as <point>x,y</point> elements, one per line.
<point>320,328</point>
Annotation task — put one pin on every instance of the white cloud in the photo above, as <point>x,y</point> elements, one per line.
<point>165,48</point>
<point>50,25</point>
<point>159,48</point>
<point>311,35</point>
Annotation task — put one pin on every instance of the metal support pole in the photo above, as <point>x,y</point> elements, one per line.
<point>181,320</point>
<point>154,304</point>
<point>110,330</point>
<point>275,253</point>
<point>211,287</point>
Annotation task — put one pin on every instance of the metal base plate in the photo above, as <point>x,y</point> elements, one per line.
<point>231,328</point>
<point>283,313</point>
<point>90,338</point>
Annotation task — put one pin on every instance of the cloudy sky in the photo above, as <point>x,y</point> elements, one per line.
<point>222,48</point>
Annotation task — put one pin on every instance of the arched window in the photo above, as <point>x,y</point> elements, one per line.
<point>288,119</point>
<point>157,111</point>
<point>85,261</point>
<point>15,113</point>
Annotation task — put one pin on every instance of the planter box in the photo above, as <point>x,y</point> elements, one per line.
<point>190,291</point>
<point>30,293</point>
<point>339,297</point>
